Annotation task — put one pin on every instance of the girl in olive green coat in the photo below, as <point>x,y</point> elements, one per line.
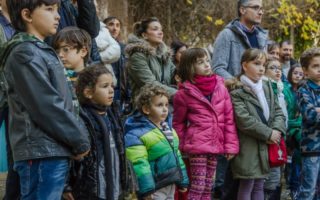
<point>251,95</point>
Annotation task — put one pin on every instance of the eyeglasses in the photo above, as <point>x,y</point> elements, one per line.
<point>275,68</point>
<point>65,49</point>
<point>298,73</point>
<point>255,8</point>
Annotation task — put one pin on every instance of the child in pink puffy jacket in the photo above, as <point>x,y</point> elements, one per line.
<point>203,119</point>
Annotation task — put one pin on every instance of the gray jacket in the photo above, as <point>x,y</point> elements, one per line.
<point>229,47</point>
<point>42,123</point>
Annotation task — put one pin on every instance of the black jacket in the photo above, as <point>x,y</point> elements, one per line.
<point>42,122</point>
<point>85,17</point>
<point>84,180</point>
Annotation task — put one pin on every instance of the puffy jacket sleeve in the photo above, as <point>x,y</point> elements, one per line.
<point>246,122</point>
<point>180,116</point>
<point>43,102</point>
<point>230,132</point>
<point>140,73</point>
<point>307,106</point>
<point>108,47</point>
<point>221,55</point>
<point>87,18</point>
<point>137,154</point>
<point>185,180</point>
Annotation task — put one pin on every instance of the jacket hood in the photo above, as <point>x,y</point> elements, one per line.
<point>235,26</point>
<point>262,34</point>
<point>138,124</point>
<point>233,84</point>
<point>136,44</point>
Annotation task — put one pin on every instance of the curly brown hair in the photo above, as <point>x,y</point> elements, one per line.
<point>88,79</point>
<point>146,94</point>
<point>308,55</point>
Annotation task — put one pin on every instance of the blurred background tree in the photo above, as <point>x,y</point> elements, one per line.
<point>198,22</point>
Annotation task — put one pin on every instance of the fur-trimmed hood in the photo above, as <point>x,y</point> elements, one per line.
<point>233,84</point>
<point>136,44</point>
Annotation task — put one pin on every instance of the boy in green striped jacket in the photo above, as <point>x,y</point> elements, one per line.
<point>152,146</point>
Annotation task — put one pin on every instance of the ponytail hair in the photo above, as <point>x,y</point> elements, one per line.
<point>142,26</point>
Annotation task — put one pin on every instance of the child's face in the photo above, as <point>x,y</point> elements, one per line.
<point>179,53</point>
<point>202,66</point>
<point>43,21</point>
<point>254,69</point>
<point>274,53</point>
<point>103,91</point>
<point>297,75</point>
<point>273,70</point>
<point>157,112</point>
<point>313,70</point>
<point>71,57</point>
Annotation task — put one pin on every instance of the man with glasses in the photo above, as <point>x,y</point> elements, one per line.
<point>240,34</point>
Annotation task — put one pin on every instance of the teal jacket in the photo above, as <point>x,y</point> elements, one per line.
<point>156,163</point>
<point>295,118</point>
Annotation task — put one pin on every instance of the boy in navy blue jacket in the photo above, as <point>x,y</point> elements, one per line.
<point>309,104</point>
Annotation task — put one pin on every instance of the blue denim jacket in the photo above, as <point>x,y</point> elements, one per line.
<point>308,100</point>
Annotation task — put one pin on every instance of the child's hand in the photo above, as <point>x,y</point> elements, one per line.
<point>79,156</point>
<point>229,156</point>
<point>68,196</point>
<point>183,190</point>
<point>275,136</point>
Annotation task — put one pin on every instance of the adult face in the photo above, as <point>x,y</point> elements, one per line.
<point>286,51</point>
<point>251,12</point>
<point>114,28</point>
<point>154,34</point>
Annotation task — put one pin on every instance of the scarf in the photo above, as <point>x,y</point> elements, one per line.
<point>257,89</point>
<point>277,88</point>
<point>205,84</point>
<point>96,107</point>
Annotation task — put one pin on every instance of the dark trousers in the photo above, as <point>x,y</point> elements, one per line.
<point>231,186</point>
<point>12,184</point>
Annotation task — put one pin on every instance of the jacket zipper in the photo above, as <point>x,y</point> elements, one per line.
<point>172,148</point>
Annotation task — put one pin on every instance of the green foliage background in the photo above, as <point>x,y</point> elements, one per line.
<point>198,22</point>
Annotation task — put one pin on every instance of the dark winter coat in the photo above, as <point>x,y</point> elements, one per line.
<point>42,122</point>
<point>84,180</point>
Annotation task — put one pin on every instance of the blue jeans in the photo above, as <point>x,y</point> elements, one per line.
<point>310,178</point>
<point>42,178</point>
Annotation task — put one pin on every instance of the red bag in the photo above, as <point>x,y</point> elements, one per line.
<point>277,154</point>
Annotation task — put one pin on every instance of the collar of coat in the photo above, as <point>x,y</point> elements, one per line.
<point>262,34</point>
<point>136,44</point>
<point>238,88</point>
